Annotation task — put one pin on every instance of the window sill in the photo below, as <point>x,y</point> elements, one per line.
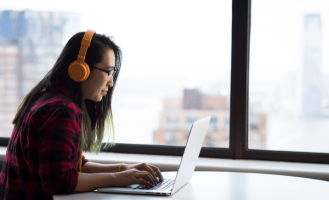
<point>171,163</point>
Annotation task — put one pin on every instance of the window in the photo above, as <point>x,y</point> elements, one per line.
<point>175,65</point>
<point>212,124</point>
<point>289,91</point>
<point>172,123</point>
<point>189,122</point>
<point>184,60</point>
<point>171,138</point>
<point>211,140</point>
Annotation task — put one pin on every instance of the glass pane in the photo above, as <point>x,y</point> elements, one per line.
<point>289,73</point>
<point>175,70</point>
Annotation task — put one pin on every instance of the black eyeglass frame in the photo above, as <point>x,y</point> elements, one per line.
<point>104,70</point>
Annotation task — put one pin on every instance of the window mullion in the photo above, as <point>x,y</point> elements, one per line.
<point>239,77</point>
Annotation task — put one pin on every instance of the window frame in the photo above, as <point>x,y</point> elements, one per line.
<point>239,113</point>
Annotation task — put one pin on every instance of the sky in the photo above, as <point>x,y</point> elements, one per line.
<point>276,34</point>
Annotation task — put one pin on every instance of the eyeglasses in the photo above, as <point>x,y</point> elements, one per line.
<point>110,73</point>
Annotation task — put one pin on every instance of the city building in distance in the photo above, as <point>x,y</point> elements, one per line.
<point>178,115</point>
<point>30,43</point>
<point>312,67</point>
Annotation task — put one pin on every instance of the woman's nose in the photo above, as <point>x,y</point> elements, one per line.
<point>110,82</point>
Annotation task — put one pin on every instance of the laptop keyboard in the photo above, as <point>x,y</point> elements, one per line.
<point>165,184</point>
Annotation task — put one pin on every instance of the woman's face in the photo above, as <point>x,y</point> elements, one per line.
<point>96,85</point>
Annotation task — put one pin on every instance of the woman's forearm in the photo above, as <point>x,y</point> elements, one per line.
<point>90,182</point>
<point>90,167</point>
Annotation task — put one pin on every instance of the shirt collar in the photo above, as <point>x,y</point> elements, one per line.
<point>60,88</point>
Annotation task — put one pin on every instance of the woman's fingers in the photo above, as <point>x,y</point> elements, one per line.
<point>153,170</point>
<point>157,172</point>
<point>144,182</point>
<point>150,169</point>
<point>146,176</point>
<point>153,180</point>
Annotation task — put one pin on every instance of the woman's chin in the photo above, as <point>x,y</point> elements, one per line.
<point>96,99</point>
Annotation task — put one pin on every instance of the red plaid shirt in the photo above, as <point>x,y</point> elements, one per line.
<point>42,155</point>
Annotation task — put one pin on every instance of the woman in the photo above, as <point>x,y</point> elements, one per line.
<point>63,115</point>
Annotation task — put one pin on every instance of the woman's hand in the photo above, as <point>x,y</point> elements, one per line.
<point>151,169</point>
<point>133,176</point>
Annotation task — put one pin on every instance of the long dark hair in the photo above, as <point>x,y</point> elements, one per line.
<point>95,115</point>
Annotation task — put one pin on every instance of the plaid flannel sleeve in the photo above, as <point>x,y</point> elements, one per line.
<point>84,160</point>
<point>58,141</point>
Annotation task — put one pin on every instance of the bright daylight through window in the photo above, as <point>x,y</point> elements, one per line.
<point>289,75</point>
<point>176,62</point>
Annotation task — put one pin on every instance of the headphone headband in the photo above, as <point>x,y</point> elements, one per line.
<point>85,43</point>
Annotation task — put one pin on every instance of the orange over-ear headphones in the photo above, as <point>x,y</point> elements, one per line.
<point>79,70</point>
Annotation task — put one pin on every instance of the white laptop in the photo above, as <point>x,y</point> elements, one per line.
<point>171,185</point>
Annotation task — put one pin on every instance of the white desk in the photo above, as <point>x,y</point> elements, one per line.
<point>230,186</point>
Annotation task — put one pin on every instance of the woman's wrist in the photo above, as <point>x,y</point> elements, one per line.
<point>121,167</point>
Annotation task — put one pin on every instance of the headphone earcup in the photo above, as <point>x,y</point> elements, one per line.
<point>79,71</point>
